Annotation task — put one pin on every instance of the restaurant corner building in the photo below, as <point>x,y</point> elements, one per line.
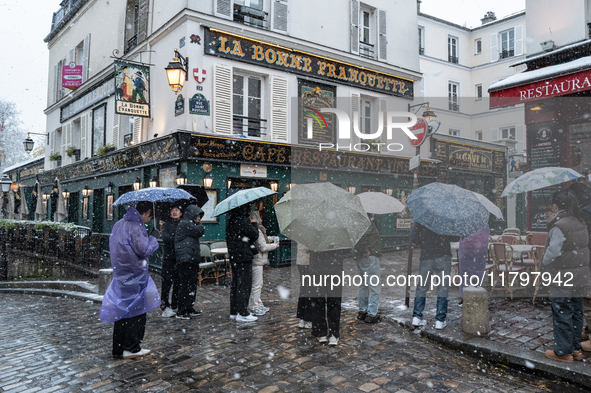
<point>556,93</point>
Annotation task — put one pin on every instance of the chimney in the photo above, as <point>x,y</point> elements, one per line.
<point>488,17</point>
<point>419,6</point>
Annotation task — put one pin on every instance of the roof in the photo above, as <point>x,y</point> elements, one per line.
<point>69,15</point>
<point>470,29</point>
<point>568,52</point>
<point>542,73</point>
<point>23,163</point>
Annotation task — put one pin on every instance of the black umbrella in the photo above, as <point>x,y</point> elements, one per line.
<point>162,209</point>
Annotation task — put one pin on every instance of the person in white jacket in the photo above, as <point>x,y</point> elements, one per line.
<point>264,245</point>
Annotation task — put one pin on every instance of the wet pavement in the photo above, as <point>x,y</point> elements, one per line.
<point>58,344</point>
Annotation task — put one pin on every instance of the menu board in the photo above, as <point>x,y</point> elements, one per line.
<point>544,149</point>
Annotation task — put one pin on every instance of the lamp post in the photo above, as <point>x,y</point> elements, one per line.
<point>207,180</point>
<point>428,115</point>
<point>5,183</point>
<point>177,71</point>
<point>137,184</point>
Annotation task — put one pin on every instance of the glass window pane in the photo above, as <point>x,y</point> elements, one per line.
<point>258,4</point>
<point>238,104</point>
<point>254,108</point>
<point>238,84</point>
<point>254,87</point>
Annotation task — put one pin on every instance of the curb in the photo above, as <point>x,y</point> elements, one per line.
<point>481,348</point>
<point>70,294</point>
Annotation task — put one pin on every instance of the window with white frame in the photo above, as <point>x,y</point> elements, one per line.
<point>507,43</point>
<point>453,90</point>
<point>247,98</point>
<point>366,42</point>
<point>58,90</point>
<point>478,91</point>
<point>478,135</point>
<point>365,116</point>
<point>454,132</point>
<point>421,40</point>
<point>249,12</point>
<point>477,46</point>
<point>132,24</point>
<point>507,133</point>
<point>452,49</point>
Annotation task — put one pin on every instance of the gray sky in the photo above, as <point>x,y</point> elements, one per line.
<point>24,55</point>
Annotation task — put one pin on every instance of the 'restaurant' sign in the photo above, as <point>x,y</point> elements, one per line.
<point>559,86</point>
<point>223,44</point>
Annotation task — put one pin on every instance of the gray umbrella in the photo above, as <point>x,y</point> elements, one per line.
<point>40,209</point>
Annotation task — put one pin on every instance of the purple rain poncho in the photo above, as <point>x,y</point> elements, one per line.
<point>472,256</point>
<point>132,291</point>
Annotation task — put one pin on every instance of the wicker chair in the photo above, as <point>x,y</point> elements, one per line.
<point>206,266</point>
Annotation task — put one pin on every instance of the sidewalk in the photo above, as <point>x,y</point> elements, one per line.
<point>520,331</point>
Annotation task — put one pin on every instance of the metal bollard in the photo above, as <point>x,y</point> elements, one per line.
<point>475,318</point>
<point>105,278</point>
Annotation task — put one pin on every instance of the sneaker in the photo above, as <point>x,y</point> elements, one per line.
<point>375,319</point>
<point>578,355</point>
<point>323,339</point>
<point>233,317</point>
<point>265,308</point>
<point>184,316</point>
<point>308,325</point>
<point>561,358</point>
<point>131,355</point>
<point>302,324</point>
<point>416,322</point>
<point>259,311</point>
<point>194,313</point>
<point>440,325</point>
<point>168,313</point>
<point>332,340</point>
<point>248,318</point>
<point>361,315</point>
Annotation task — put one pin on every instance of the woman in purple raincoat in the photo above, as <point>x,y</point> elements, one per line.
<point>132,292</point>
<point>472,257</point>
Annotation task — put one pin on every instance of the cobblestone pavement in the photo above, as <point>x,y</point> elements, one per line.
<point>59,345</point>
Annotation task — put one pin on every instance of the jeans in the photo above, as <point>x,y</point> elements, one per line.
<point>567,320</point>
<point>240,288</point>
<point>369,295</point>
<point>169,280</point>
<point>188,274</point>
<point>437,267</point>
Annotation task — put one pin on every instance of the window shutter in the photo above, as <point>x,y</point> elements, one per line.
<point>280,13</point>
<point>65,141</point>
<point>494,134</point>
<point>116,124</point>
<point>518,45</point>
<point>354,108</point>
<point>72,55</point>
<point>224,9</point>
<point>63,89</point>
<point>137,130</point>
<point>355,27</point>
<point>279,104</point>
<point>83,132</point>
<point>494,47</point>
<point>222,99</point>
<point>382,38</point>
<point>55,82</point>
<point>520,136</point>
<point>85,57</point>
<point>384,110</point>
<point>69,142</point>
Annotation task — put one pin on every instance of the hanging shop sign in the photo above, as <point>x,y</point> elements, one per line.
<point>71,76</point>
<point>223,44</point>
<point>465,156</point>
<point>132,89</point>
<point>87,100</point>
<point>199,105</point>
<point>179,105</point>
<point>235,150</point>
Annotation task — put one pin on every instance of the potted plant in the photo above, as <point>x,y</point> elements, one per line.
<point>374,144</point>
<point>55,157</point>
<point>72,151</point>
<point>103,150</point>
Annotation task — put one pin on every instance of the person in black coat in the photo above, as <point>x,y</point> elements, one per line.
<point>169,273</point>
<point>241,233</point>
<point>188,256</point>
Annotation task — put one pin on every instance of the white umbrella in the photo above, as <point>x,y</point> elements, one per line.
<point>491,207</point>
<point>11,215</point>
<point>24,209</point>
<point>380,203</point>
<point>40,209</point>
<point>61,213</point>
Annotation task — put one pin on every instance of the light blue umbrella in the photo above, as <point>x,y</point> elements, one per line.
<point>540,178</point>
<point>241,198</point>
<point>153,194</point>
<point>447,209</point>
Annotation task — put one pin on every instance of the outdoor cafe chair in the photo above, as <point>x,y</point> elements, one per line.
<point>510,239</point>
<point>503,267</point>
<point>206,266</point>
<point>222,261</point>
<point>536,238</point>
<point>511,231</point>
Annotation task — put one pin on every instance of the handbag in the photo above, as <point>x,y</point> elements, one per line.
<point>254,248</point>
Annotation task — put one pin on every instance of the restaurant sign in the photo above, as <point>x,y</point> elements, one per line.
<point>227,45</point>
<point>212,148</point>
<point>469,157</point>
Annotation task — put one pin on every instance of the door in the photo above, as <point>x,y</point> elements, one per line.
<point>98,205</point>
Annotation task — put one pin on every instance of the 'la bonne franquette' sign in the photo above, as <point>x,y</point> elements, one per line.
<point>227,45</point>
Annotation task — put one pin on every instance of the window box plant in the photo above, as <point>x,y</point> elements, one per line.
<point>105,149</point>
<point>72,151</point>
<point>55,157</point>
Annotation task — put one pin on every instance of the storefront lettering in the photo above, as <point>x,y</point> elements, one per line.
<point>240,48</point>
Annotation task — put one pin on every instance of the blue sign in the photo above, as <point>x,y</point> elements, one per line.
<point>179,105</point>
<point>199,105</point>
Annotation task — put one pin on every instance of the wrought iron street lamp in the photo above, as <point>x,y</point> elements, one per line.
<point>66,193</point>
<point>177,71</point>
<point>109,188</point>
<point>181,179</point>
<point>29,143</point>
<point>389,191</point>
<point>85,191</point>
<point>274,186</point>
<point>351,188</point>
<point>137,184</point>
<point>153,182</point>
<point>207,180</point>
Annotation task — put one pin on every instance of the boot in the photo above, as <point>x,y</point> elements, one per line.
<point>561,358</point>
